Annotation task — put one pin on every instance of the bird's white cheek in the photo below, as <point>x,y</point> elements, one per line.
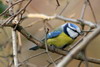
<point>72,33</point>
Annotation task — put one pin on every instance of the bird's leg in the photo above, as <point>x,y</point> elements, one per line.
<point>52,47</point>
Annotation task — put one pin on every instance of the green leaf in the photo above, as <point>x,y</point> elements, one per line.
<point>2,8</point>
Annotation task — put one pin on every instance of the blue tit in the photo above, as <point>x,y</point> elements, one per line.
<point>62,36</point>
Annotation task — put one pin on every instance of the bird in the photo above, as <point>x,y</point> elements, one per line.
<point>62,36</point>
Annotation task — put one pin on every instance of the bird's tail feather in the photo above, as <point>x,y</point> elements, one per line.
<point>34,48</point>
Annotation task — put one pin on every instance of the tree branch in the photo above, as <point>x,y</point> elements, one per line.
<point>78,21</point>
<point>14,48</point>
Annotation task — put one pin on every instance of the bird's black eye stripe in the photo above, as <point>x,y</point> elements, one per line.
<point>74,30</point>
<point>65,29</point>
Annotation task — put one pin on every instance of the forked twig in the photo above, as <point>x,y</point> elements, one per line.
<point>46,46</point>
<point>31,57</point>
<point>67,3</point>
<point>79,65</point>
<point>16,14</point>
<point>92,11</point>
<point>58,4</point>
<point>11,7</point>
<point>54,61</point>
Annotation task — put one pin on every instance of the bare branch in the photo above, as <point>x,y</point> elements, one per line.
<point>92,11</point>
<point>64,7</point>
<point>58,4</point>
<point>19,42</point>
<point>91,24</point>
<point>14,48</point>
<point>28,36</point>
<point>83,9</point>
<point>60,57</point>
<point>11,7</point>
<point>13,16</point>
<point>14,41</point>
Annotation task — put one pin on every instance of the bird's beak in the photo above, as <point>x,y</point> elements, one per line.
<point>81,33</point>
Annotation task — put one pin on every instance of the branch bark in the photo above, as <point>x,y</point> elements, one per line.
<point>78,21</point>
<point>14,43</point>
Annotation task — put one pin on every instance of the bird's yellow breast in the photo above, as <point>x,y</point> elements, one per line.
<point>60,40</point>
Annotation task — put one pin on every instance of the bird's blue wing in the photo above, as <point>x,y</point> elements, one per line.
<point>49,35</point>
<point>53,34</point>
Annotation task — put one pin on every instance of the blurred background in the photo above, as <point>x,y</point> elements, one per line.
<point>48,7</point>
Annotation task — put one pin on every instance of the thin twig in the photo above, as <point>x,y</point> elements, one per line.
<point>17,13</point>
<point>51,59</point>
<point>8,40</point>
<point>79,65</point>
<point>14,41</point>
<point>31,24</point>
<point>58,4</point>
<point>5,32</point>
<point>45,29</point>
<point>11,63</point>
<point>54,61</point>
<point>92,11</point>
<point>31,57</point>
<point>83,13</point>
<point>46,46</point>
<point>11,7</point>
<point>19,42</point>
<point>84,56</point>
<point>30,65</point>
<point>83,9</point>
<point>64,7</point>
